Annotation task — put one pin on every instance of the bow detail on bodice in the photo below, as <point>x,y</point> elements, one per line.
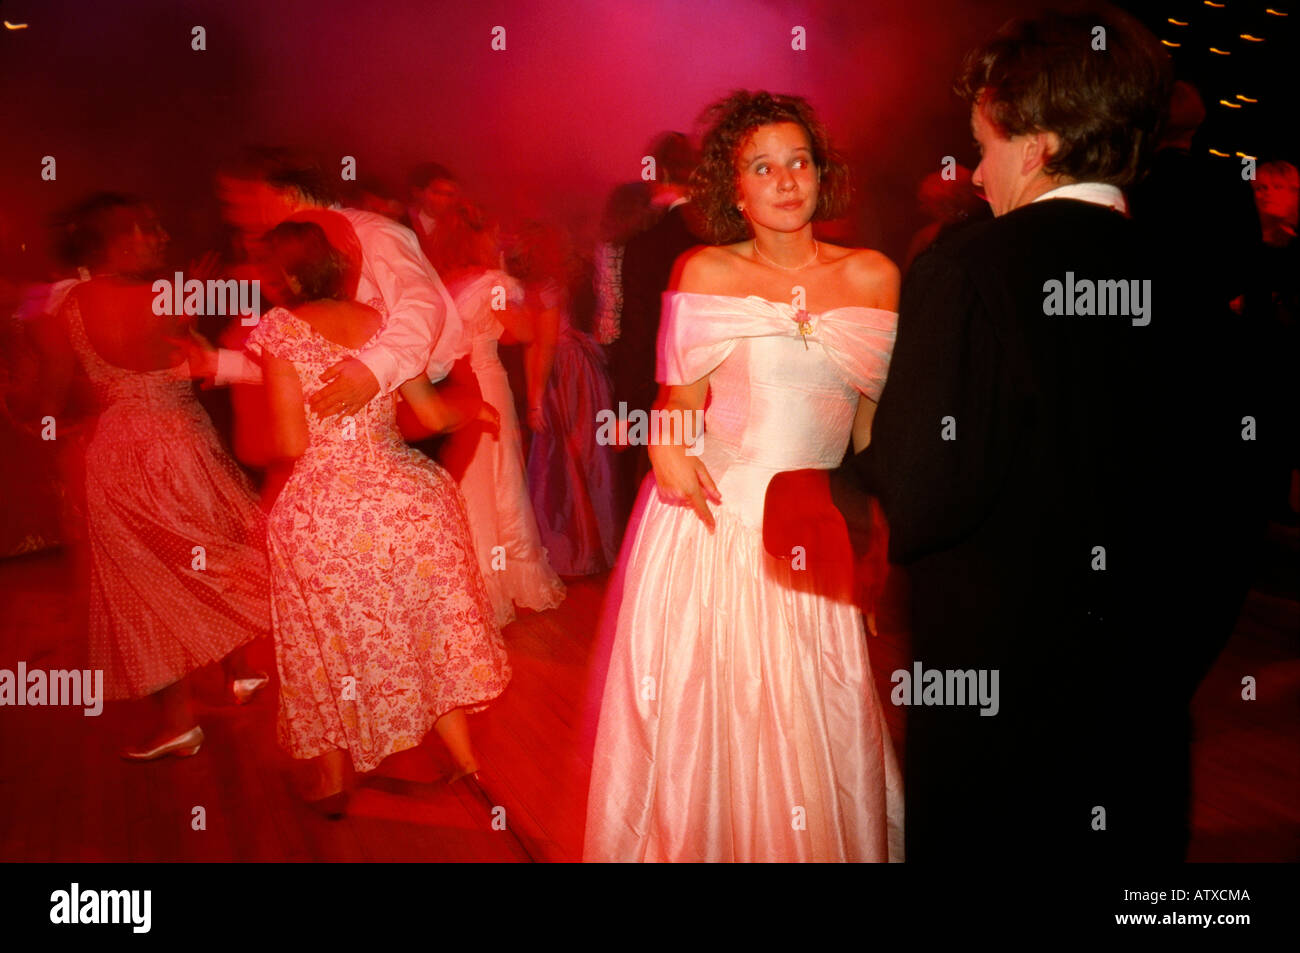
<point>698,331</point>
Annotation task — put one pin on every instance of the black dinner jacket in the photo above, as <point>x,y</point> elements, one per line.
<point>1074,439</point>
<point>647,269</point>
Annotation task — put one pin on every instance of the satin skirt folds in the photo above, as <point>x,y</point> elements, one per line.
<point>739,719</point>
<point>500,510</point>
<point>570,473</point>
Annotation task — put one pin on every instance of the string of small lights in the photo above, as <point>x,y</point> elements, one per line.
<point>1240,54</point>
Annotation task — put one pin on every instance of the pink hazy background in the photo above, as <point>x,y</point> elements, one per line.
<point>543,129</point>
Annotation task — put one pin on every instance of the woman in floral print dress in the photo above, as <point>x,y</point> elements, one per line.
<point>383,625</point>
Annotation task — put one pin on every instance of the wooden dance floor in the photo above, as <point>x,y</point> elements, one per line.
<point>66,796</point>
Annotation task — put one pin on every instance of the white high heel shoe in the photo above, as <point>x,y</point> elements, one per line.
<point>244,689</point>
<point>184,745</point>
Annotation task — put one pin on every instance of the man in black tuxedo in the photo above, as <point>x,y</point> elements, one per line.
<point>1199,203</point>
<point>647,269</point>
<point>1197,213</point>
<point>1055,450</point>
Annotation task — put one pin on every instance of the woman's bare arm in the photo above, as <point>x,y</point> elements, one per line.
<point>452,403</point>
<point>284,401</point>
<point>862,423</point>
<point>518,324</point>
<point>683,478</point>
<point>539,359</point>
<point>879,280</point>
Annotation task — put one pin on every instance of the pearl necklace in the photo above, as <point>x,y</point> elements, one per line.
<point>816,251</point>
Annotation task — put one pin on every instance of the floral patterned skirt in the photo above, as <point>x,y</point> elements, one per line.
<point>382,620</point>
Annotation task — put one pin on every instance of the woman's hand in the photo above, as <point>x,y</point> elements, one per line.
<point>197,356</point>
<point>684,479</point>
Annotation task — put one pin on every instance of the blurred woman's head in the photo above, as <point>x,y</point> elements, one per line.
<point>112,233</point>
<point>465,240</point>
<point>313,269</point>
<point>766,161</point>
<point>541,253</point>
<point>545,258</point>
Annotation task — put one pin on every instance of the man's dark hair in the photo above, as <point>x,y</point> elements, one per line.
<point>427,172</point>
<point>1043,74</point>
<point>674,157</point>
<point>286,170</point>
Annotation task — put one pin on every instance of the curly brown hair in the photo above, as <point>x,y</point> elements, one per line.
<point>731,120</point>
<point>1106,105</point>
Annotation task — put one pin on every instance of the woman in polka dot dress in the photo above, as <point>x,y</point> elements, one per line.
<point>177,562</point>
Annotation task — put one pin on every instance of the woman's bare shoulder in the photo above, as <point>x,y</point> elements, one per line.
<point>89,293</point>
<point>874,274</point>
<point>361,312</point>
<point>705,269</point>
<point>864,261</point>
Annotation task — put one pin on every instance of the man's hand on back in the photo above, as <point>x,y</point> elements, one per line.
<point>349,386</point>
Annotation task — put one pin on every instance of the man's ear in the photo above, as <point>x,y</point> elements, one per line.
<point>1039,149</point>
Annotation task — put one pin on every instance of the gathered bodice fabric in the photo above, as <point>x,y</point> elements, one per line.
<point>778,399</point>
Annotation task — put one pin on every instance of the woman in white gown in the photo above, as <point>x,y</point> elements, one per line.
<point>490,468</point>
<point>739,719</point>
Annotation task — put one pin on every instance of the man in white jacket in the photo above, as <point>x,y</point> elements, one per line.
<point>424,331</point>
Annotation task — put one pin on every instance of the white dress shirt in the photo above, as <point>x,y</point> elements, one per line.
<point>1097,193</point>
<point>424,331</point>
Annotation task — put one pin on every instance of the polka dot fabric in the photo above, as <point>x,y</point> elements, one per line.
<point>178,567</point>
